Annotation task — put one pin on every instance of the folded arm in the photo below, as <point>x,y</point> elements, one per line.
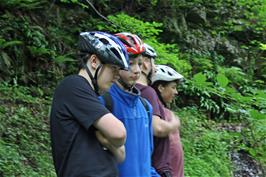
<point>112,129</point>
<point>118,152</point>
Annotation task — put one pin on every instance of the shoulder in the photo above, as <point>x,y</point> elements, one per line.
<point>147,90</point>
<point>73,78</point>
<point>75,89</point>
<point>76,83</point>
<point>146,104</point>
<point>150,94</point>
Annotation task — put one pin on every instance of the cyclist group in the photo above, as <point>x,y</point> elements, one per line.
<point>113,118</point>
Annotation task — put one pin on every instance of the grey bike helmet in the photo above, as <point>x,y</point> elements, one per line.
<point>149,51</point>
<point>165,73</point>
<point>107,47</point>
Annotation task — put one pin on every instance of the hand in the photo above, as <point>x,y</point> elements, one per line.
<point>104,141</point>
<point>119,152</point>
<point>177,120</point>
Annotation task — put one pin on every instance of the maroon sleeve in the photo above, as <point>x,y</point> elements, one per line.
<point>150,94</point>
<point>168,114</point>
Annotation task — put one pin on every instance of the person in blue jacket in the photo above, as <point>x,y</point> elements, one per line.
<point>130,108</point>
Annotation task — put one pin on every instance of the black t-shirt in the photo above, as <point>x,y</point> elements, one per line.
<point>76,150</point>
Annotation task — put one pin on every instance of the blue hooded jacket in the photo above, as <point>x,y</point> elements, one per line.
<point>129,109</point>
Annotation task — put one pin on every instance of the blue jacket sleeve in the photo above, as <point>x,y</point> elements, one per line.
<point>150,125</point>
<point>154,173</point>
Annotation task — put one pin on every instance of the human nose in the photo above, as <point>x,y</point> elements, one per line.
<point>136,69</point>
<point>175,92</point>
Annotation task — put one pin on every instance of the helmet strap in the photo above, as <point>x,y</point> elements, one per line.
<point>93,79</point>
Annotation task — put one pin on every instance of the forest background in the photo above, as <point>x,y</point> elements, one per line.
<point>218,45</point>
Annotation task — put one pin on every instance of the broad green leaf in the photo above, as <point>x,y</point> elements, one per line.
<point>11,43</point>
<point>62,59</point>
<point>261,94</point>
<point>262,46</point>
<point>255,114</point>
<point>199,78</point>
<point>39,51</point>
<point>222,80</point>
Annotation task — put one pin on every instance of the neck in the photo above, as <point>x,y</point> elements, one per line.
<point>119,85</point>
<point>84,74</point>
<point>133,90</point>
<point>123,87</point>
<point>143,80</point>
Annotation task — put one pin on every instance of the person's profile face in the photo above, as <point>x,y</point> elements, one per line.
<point>130,77</point>
<point>168,92</point>
<point>107,75</point>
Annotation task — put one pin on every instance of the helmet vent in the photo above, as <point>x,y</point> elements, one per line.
<point>115,52</point>
<point>163,70</point>
<point>105,41</point>
<point>169,73</point>
<point>131,41</point>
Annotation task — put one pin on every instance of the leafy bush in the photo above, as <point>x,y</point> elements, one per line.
<point>25,141</point>
<point>37,48</point>
<point>206,149</point>
<point>149,32</point>
<point>23,4</point>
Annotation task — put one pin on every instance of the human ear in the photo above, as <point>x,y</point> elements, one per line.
<point>160,88</point>
<point>144,66</point>
<point>94,61</point>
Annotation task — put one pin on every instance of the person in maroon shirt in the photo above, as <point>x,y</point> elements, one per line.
<point>161,127</point>
<point>164,82</point>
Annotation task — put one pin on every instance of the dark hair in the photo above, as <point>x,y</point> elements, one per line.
<point>155,86</point>
<point>83,59</point>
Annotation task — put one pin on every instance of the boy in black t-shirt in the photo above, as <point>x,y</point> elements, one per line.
<point>87,140</point>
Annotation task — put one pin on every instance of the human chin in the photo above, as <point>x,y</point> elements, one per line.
<point>133,82</point>
<point>170,100</point>
<point>105,86</point>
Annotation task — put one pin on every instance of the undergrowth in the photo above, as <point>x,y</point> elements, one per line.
<point>24,130</point>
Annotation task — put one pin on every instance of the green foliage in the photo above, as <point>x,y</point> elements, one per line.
<point>23,4</point>
<point>256,10</point>
<point>254,137</point>
<point>33,52</point>
<point>70,1</point>
<point>262,46</point>
<point>205,149</point>
<point>25,141</point>
<point>4,44</point>
<point>148,31</point>
<point>201,63</point>
<point>207,146</point>
<point>222,80</point>
<point>125,23</point>
<point>235,75</point>
<point>37,48</point>
<point>154,2</point>
<point>218,95</point>
<point>169,54</point>
<point>206,93</point>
